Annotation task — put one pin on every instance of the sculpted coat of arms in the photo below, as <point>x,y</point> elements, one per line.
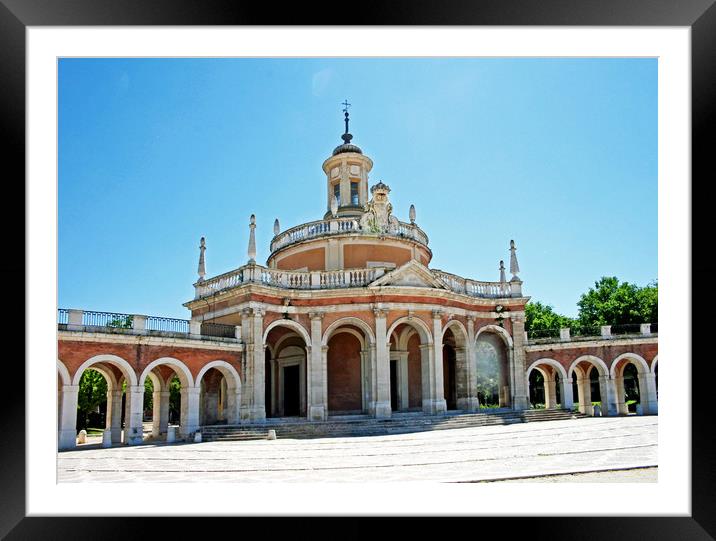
<point>378,217</point>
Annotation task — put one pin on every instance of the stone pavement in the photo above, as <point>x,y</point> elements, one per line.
<point>463,455</point>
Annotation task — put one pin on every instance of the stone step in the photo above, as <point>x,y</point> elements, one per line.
<point>363,425</point>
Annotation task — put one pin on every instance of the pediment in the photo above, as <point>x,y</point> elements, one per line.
<point>412,274</point>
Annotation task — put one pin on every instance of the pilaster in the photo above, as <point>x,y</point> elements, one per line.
<point>382,365</point>
<point>520,391</point>
<point>316,395</point>
<point>67,429</point>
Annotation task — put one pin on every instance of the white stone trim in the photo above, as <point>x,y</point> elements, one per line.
<point>596,361</point>
<point>226,369</point>
<point>415,322</point>
<point>641,365</point>
<point>591,343</point>
<point>551,362</point>
<point>186,381</point>
<point>356,322</point>
<point>654,363</point>
<point>157,382</point>
<point>460,341</point>
<point>291,325</point>
<point>496,329</point>
<point>64,373</point>
<point>120,363</point>
<point>112,338</point>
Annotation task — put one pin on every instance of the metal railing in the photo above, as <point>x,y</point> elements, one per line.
<point>63,316</point>
<point>167,324</point>
<point>107,319</point>
<point>630,328</point>
<point>218,330</point>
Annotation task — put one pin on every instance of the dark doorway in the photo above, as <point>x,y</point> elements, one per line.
<point>291,391</point>
<point>393,385</point>
<point>449,384</point>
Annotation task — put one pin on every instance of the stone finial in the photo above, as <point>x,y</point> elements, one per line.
<point>503,279</point>
<point>252,240</point>
<point>276,227</point>
<point>411,214</point>
<point>514,267</point>
<point>202,265</point>
<point>334,206</point>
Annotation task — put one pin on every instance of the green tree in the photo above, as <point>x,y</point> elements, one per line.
<point>611,302</point>
<point>92,393</point>
<point>540,317</point>
<point>121,322</point>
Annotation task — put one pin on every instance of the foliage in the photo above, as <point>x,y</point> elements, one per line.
<point>488,374</point>
<point>121,322</point>
<point>539,317</point>
<point>92,393</point>
<point>174,400</point>
<point>610,302</point>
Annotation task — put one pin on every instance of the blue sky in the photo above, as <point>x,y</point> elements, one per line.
<point>558,154</point>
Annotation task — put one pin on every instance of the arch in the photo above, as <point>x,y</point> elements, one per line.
<point>497,330</point>
<point>157,383</point>
<point>353,332</point>
<point>641,365</point>
<point>357,322</point>
<point>550,362</point>
<point>291,324</point>
<point>408,332</point>
<point>653,364</point>
<point>64,373</point>
<point>460,341</point>
<point>419,325</point>
<point>225,368</point>
<point>182,371</point>
<point>120,363</point>
<point>595,361</point>
<point>276,349</point>
<point>108,376</point>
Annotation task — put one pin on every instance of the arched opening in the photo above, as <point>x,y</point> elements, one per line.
<point>286,371</point>
<point>94,397</point>
<point>345,360</point>
<point>589,375</point>
<point>220,395</point>
<point>170,399</point>
<point>549,388</point>
<point>493,374</point>
<point>537,389</point>
<point>449,370</point>
<point>410,359</point>
<point>635,385</point>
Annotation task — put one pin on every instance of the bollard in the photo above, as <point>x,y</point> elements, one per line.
<point>271,435</point>
<point>107,437</point>
<point>197,437</point>
<point>82,437</point>
<point>171,434</point>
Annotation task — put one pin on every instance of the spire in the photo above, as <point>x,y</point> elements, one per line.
<point>411,214</point>
<point>503,279</point>
<point>514,267</point>
<point>252,240</point>
<point>346,136</point>
<point>202,264</point>
<point>276,227</point>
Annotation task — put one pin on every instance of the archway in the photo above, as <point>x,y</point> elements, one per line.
<point>413,382</point>
<point>456,368</point>
<point>594,390</point>
<point>549,385</point>
<point>220,396</point>
<point>635,385</point>
<point>171,389</point>
<point>286,369</point>
<point>493,372</point>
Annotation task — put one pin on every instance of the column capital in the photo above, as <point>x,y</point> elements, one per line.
<point>316,316</point>
<point>517,317</point>
<point>471,318</point>
<point>437,314</point>
<point>324,349</point>
<point>380,313</point>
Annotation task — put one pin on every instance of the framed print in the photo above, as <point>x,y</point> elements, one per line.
<point>340,322</point>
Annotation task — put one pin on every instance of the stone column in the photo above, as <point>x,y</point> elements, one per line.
<point>622,408</point>
<point>520,392</point>
<point>472,402</point>
<point>382,365</point>
<point>156,413</point>
<point>550,393</point>
<point>567,394</point>
<point>210,407</point>
<point>274,380</point>
<point>585,395</point>
<point>67,429</point>
<point>371,387</point>
<point>163,413</point>
<point>189,410</point>
<point>253,407</point>
<point>647,394</point>
<point>133,430</point>
<point>437,402</point>
<point>114,414</point>
<point>404,402</point>
<point>607,389</point>
<point>317,398</point>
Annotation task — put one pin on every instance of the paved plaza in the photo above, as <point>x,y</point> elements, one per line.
<point>619,448</point>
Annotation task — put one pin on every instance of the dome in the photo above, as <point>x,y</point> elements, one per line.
<point>347,147</point>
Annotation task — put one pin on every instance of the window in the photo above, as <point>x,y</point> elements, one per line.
<point>337,192</point>
<point>354,193</point>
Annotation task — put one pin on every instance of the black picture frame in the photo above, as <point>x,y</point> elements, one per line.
<point>699,15</point>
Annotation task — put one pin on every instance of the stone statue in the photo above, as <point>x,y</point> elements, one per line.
<point>378,217</point>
